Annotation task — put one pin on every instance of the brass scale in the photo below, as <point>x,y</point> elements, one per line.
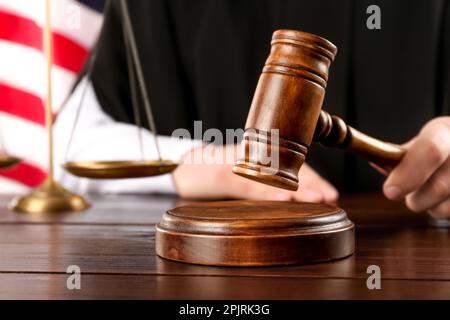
<point>52,196</point>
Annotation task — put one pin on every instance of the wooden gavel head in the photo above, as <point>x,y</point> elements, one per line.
<point>286,116</point>
<point>285,108</point>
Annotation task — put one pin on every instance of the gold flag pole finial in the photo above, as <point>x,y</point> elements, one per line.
<point>50,196</point>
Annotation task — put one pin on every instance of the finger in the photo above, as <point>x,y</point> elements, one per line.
<point>435,190</point>
<point>256,192</point>
<point>308,195</point>
<point>252,190</point>
<point>409,143</point>
<point>442,210</point>
<point>426,153</point>
<point>247,189</point>
<point>314,187</point>
<point>329,192</point>
<point>383,171</point>
<point>319,191</point>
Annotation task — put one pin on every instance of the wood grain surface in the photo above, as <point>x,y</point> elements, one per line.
<point>113,244</point>
<point>244,233</point>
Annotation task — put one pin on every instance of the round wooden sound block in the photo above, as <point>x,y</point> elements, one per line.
<point>254,233</point>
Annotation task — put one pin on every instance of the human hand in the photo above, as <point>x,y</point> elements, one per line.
<point>422,178</point>
<point>211,177</point>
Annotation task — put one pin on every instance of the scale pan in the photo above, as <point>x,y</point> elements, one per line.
<point>8,161</point>
<point>119,169</point>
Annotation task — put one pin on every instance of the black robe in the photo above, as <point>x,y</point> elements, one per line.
<point>202,60</point>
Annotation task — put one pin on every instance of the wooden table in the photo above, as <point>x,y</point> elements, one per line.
<point>113,244</point>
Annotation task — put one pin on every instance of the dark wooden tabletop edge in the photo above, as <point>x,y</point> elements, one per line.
<point>83,224</point>
<point>254,276</point>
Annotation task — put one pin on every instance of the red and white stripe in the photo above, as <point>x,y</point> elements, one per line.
<point>22,78</point>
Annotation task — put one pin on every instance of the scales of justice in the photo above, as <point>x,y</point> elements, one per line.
<point>289,98</point>
<point>52,196</point>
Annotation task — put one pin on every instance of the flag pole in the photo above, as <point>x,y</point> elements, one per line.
<point>48,52</point>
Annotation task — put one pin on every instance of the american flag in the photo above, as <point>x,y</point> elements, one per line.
<point>75,27</point>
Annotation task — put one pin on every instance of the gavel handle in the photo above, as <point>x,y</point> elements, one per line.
<point>332,131</point>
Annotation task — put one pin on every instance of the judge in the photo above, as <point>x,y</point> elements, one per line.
<point>202,59</point>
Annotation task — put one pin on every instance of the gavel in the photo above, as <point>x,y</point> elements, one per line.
<point>288,101</point>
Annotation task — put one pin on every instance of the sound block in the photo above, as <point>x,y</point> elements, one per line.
<point>254,233</point>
